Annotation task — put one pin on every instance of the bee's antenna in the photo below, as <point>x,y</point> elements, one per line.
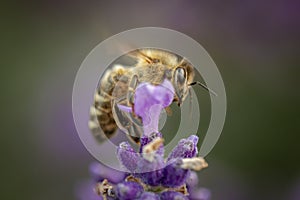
<point>204,86</point>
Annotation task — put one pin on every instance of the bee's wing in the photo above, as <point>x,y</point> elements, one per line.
<point>140,56</point>
<point>127,122</point>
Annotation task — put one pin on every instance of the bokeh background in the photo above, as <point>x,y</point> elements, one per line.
<point>255,44</point>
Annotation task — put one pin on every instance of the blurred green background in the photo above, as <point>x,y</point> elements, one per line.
<point>255,44</point>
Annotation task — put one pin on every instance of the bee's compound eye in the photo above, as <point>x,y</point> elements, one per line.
<point>180,76</point>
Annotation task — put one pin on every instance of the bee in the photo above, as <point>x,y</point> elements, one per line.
<point>118,84</point>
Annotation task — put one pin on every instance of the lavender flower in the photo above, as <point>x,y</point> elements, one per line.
<point>129,190</point>
<point>186,148</point>
<point>150,175</point>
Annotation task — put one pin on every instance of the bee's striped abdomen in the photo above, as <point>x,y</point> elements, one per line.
<point>102,123</point>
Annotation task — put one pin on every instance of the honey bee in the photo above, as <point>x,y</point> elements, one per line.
<point>118,84</point>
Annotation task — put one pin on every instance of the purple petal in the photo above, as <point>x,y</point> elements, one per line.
<point>129,190</point>
<point>100,172</point>
<point>127,156</point>
<point>151,120</point>
<point>174,175</point>
<point>186,148</point>
<point>165,94</point>
<point>149,102</point>
<point>149,196</point>
<point>200,194</point>
<point>170,195</point>
<point>192,179</point>
<point>151,173</point>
